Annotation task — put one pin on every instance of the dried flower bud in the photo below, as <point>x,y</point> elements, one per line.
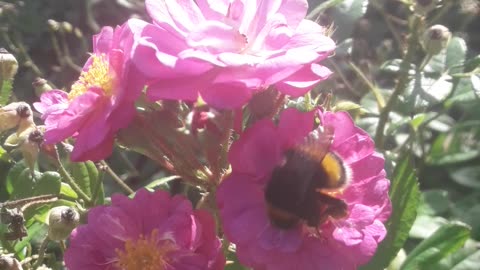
<point>14,114</point>
<point>470,7</point>
<point>24,110</point>
<point>7,262</point>
<point>41,86</point>
<point>36,136</point>
<point>61,221</point>
<point>31,147</point>
<point>8,65</point>
<point>28,141</point>
<point>265,104</point>
<point>436,38</point>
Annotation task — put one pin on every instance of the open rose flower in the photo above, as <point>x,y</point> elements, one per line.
<point>99,103</point>
<point>152,231</point>
<point>226,50</point>
<point>337,243</point>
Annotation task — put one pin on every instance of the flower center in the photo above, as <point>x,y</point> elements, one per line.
<point>97,75</point>
<point>147,253</point>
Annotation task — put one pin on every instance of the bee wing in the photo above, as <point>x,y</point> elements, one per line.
<point>318,142</point>
<point>315,147</point>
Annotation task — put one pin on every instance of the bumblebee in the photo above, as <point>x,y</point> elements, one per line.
<point>303,186</point>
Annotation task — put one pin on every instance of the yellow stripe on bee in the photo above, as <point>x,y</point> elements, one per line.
<point>334,170</point>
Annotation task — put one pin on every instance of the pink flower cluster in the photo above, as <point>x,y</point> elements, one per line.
<point>336,244</point>
<point>165,234</point>
<point>100,103</point>
<point>221,53</point>
<point>224,51</point>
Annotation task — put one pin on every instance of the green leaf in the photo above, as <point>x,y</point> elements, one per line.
<point>471,215</point>
<point>456,53</point>
<point>87,178</point>
<point>465,92</point>
<point>4,156</point>
<point>417,120</point>
<point>424,226</point>
<point>475,80</point>
<point>466,258</point>
<point>5,92</point>
<point>84,174</point>
<point>322,7</point>
<point>435,89</point>
<point>468,176</point>
<point>443,242</point>
<point>469,262</point>
<point>23,185</point>
<point>393,66</point>
<point>434,203</point>
<point>13,174</point>
<point>67,191</point>
<point>451,59</point>
<point>344,48</point>
<point>33,231</point>
<point>345,15</point>
<point>405,197</point>
<point>472,64</point>
<point>49,183</point>
<point>465,209</point>
<point>461,144</point>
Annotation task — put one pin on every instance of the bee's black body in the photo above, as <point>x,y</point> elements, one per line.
<point>298,188</point>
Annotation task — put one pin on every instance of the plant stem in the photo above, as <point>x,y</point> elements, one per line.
<point>41,253</point>
<point>96,188</point>
<point>374,89</point>
<point>390,26</point>
<point>116,178</point>
<point>402,82</point>
<point>69,179</point>
<point>342,76</point>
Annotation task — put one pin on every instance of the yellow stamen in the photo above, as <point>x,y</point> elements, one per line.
<point>147,253</point>
<point>98,74</point>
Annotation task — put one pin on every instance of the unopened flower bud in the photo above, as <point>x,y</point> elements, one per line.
<point>9,263</point>
<point>54,25</point>
<point>41,86</point>
<point>436,38</point>
<point>201,118</point>
<point>67,27</point>
<point>77,32</point>
<point>8,65</point>
<point>43,267</point>
<point>265,103</point>
<point>61,221</point>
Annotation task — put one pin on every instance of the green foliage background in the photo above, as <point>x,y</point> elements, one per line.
<point>431,138</point>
